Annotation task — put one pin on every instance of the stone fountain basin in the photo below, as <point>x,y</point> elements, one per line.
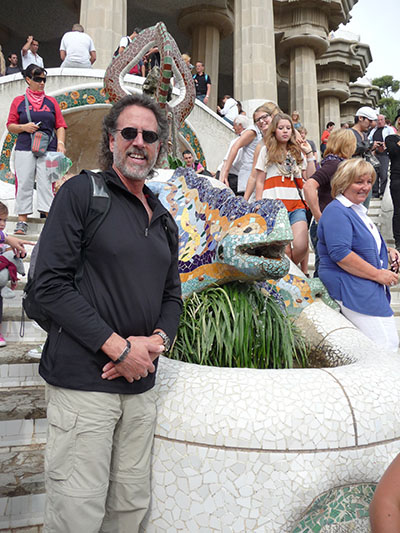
<point>248,450</point>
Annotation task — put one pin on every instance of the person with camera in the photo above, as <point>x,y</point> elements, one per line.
<point>354,258</point>
<point>378,136</point>
<point>29,113</point>
<point>364,121</point>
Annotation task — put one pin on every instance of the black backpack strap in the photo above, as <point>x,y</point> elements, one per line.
<point>100,203</point>
<point>99,206</point>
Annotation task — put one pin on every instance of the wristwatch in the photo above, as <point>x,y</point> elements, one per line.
<point>165,338</point>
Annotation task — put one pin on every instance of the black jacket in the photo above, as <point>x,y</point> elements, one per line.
<point>130,283</point>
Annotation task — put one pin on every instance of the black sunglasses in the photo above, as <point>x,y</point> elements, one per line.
<point>130,134</point>
<point>39,79</point>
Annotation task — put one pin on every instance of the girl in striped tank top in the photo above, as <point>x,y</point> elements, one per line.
<point>283,164</point>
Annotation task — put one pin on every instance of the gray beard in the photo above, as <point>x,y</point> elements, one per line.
<point>134,175</point>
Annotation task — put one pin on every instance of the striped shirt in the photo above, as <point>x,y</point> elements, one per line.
<point>281,187</point>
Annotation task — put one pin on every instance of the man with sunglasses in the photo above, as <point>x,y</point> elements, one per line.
<point>108,328</point>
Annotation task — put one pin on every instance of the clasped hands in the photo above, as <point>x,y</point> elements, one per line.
<point>139,362</point>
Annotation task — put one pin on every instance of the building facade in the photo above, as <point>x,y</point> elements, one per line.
<point>257,50</point>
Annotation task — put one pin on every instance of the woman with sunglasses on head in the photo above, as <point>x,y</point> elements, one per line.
<point>283,164</point>
<point>31,112</point>
<point>247,141</point>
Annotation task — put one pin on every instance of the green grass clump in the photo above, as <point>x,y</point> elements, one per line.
<point>236,326</point>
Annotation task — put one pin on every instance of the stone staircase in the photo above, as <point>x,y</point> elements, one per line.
<point>22,407</point>
<point>23,422</point>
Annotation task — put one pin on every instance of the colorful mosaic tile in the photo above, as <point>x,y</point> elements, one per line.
<point>342,509</point>
<point>75,99</point>
<point>223,237</point>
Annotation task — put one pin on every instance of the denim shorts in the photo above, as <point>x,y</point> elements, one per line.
<point>297,215</point>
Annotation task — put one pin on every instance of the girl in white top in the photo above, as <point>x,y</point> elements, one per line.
<point>248,142</point>
<point>282,165</point>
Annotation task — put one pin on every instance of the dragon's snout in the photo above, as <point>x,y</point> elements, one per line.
<point>273,250</point>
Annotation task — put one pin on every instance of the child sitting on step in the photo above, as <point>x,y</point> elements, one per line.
<point>7,242</point>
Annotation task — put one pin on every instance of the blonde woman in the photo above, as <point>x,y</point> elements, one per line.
<point>354,258</point>
<point>272,109</point>
<point>282,165</point>
<point>247,141</point>
<point>317,190</point>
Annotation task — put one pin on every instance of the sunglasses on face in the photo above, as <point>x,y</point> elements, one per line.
<point>39,79</point>
<point>130,134</point>
<point>263,117</point>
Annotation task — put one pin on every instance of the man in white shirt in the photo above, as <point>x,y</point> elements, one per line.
<point>240,123</point>
<point>29,53</point>
<point>77,49</point>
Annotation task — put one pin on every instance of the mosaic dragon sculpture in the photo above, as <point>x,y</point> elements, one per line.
<point>172,65</point>
<point>222,237</point>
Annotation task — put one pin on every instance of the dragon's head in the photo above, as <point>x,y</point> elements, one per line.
<point>222,237</point>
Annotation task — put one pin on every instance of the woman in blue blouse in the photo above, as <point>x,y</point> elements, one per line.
<point>354,257</point>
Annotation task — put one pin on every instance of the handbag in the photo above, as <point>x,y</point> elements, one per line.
<point>40,139</point>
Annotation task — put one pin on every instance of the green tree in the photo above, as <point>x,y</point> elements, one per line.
<point>388,88</point>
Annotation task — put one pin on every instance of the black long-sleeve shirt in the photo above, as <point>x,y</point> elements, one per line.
<point>393,148</point>
<point>130,283</point>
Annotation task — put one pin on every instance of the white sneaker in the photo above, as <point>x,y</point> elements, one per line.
<point>2,341</point>
<point>36,352</point>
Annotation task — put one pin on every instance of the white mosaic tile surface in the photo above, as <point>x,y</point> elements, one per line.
<point>248,450</point>
<point>214,490</point>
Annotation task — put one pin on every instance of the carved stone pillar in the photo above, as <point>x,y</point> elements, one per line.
<point>343,62</point>
<point>305,28</point>
<point>254,49</point>
<point>207,25</point>
<point>105,22</point>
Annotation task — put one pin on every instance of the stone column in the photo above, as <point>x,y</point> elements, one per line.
<point>303,96</point>
<point>303,28</point>
<point>207,25</point>
<point>105,22</point>
<point>254,49</point>
<point>329,110</point>
<point>343,62</point>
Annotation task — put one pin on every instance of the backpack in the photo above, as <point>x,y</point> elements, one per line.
<point>100,203</point>
<point>127,44</point>
<point>206,77</point>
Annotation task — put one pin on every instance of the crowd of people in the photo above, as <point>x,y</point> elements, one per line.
<point>272,158</point>
<point>92,353</point>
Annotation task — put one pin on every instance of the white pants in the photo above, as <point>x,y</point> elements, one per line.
<point>97,460</point>
<point>380,329</point>
<point>27,167</point>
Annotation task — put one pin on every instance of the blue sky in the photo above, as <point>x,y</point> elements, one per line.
<point>377,22</point>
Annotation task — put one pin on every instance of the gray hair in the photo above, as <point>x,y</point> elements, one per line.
<point>106,158</point>
<point>78,27</point>
<point>242,120</point>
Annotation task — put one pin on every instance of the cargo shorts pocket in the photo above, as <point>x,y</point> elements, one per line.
<point>61,438</point>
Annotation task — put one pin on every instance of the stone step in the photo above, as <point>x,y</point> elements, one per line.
<point>22,514</point>
<point>22,471</point>
<point>20,375</point>
<point>29,333</point>
<point>22,403</point>
<point>17,353</point>
<point>13,329</point>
